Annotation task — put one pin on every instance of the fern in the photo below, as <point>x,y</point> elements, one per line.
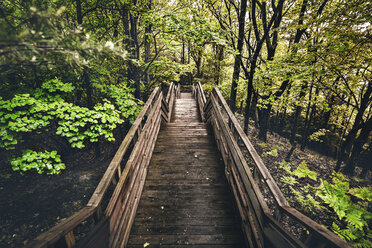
<point>303,171</point>
<point>334,196</point>
<point>273,153</point>
<point>307,202</point>
<point>289,180</point>
<point>348,233</point>
<point>364,193</point>
<point>355,217</point>
<point>285,166</point>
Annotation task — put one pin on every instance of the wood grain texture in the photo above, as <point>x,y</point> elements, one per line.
<point>186,200</point>
<point>263,227</point>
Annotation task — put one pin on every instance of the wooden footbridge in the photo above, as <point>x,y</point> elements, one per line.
<point>187,176</point>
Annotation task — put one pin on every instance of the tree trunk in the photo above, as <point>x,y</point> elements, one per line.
<point>79,17</point>
<point>358,147</point>
<point>249,93</point>
<point>305,132</point>
<point>264,116</point>
<point>134,71</point>
<point>347,145</point>
<point>298,113</point>
<point>238,56</point>
<point>220,56</point>
<point>198,64</point>
<point>147,45</point>
<point>183,52</point>
<point>88,87</point>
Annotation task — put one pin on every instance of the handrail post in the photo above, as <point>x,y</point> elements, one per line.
<point>63,233</point>
<point>231,139</point>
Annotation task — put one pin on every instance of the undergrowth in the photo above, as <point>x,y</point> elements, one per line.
<point>349,206</point>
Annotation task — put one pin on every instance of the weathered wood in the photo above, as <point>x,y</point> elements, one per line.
<point>185,189</point>
<point>170,89</point>
<point>256,158</point>
<point>136,193</point>
<point>117,207</point>
<point>59,231</point>
<point>156,108</point>
<point>242,166</point>
<point>70,239</point>
<point>107,177</point>
<point>228,133</point>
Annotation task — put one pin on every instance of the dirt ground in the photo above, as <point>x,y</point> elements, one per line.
<point>32,203</point>
<point>321,164</point>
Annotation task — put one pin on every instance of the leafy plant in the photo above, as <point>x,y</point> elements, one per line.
<point>316,136</point>
<point>56,85</point>
<point>124,100</point>
<point>307,202</point>
<point>273,153</point>
<point>289,180</point>
<point>78,124</point>
<point>355,217</point>
<point>285,166</point>
<point>303,171</point>
<point>49,162</point>
<point>364,193</point>
<point>25,113</point>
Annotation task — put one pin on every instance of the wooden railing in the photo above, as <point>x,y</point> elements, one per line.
<point>107,218</point>
<point>198,93</point>
<point>173,93</point>
<point>262,207</point>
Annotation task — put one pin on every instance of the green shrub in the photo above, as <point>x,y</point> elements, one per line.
<point>42,162</point>
<point>25,113</point>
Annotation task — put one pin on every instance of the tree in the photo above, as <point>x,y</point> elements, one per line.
<point>238,56</point>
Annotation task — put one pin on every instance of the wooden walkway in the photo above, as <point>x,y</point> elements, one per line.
<point>187,186</point>
<point>186,201</point>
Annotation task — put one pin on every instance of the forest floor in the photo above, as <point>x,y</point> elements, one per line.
<point>323,166</point>
<point>31,203</point>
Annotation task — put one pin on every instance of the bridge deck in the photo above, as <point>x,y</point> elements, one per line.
<point>186,201</point>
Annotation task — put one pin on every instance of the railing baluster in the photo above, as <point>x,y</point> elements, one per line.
<point>229,131</point>
<point>150,117</point>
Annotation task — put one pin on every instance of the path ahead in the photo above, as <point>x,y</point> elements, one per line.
<point>186,201</point>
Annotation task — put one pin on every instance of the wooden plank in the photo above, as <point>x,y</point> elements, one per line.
<point>129,172</point>
<point>252,151</point>
<point>205,239</point>
<point>147,156</point>
<point>179,230</point>
<point>125,172</point>
<point>321,232</point>
<point>175,202</point>
<point>126,195</point>
<point>105,182</point>
<point>170,89</point>
<point>59,231</point>
<point>202,93</point>
<point>70,239</point>
<point>134,188</point>
<point>190,246</point>
<point>244,171</point>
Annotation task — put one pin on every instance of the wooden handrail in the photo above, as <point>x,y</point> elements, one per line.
<point>260,224</point>
<point>141,136</point>
<point>172,94</point>
<point>198,94</point>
